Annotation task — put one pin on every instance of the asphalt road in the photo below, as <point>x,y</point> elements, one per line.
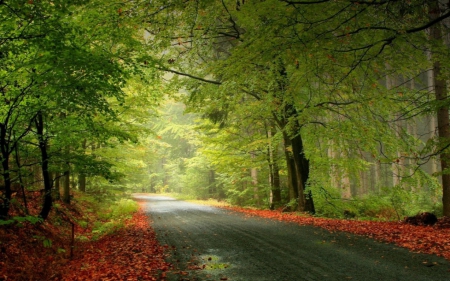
<point>230,246</point>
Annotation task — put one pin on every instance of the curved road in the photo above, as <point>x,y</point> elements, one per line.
<point>230,246</point>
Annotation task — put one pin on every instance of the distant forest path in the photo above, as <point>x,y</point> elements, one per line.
<point>208,243</point>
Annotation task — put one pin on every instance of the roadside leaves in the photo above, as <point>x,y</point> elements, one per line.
<point>421,239</point>
<point>132,253</point>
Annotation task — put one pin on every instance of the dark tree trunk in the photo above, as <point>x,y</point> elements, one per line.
<point>6,193</point>
<point>441,95</point>
<point>5,190</point>
<point>66,188</point>
<point>275,185</point>
<point>290,165</point>
<point>82,182</point>
<point>66,175</point>
<point>82,174</point>
<point>302,171</point>
<point>297,163</point>
<point>47,204</point>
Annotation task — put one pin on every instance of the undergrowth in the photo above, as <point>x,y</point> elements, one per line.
<point>389,204</point>
<point>32,249</point>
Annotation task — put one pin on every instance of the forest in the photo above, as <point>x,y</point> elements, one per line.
<point>257,103</point>
<point>337,108</point>
<point>324,108</point>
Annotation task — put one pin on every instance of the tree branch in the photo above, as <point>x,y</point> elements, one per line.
<point>190,76</point>
<point>305,2</point>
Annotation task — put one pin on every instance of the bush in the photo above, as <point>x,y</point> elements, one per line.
<point>106,228</point>
<point>124,208</point>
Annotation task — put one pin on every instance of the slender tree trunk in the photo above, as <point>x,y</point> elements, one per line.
<point>66,187</point>
<point>274,172</point>
<point>57,192</point>
<point>19,173</point>
<point>443,121</point>
<point>82,174</point>
<point>47,204</point>
<point>254,176</point>
<point>275,186</point>
<point>7,193</point>
<point>82,182</point>
<point>276,190</point>
<point>212,183</point>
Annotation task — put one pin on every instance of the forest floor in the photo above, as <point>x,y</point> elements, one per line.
<point>143,249</point>
<point>44,251</point>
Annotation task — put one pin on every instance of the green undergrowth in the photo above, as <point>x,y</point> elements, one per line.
<point>107,213</point>
<point>388,204</point>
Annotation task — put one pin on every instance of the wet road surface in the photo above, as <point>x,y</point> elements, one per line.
<point>230,246</point>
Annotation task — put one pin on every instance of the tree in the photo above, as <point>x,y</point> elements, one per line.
<point>55,64</point>
<point>319,65</point>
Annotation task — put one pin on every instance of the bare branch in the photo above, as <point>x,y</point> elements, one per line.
<point>190,76</point>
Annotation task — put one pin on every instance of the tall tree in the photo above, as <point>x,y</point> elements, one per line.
<point>334,55</point>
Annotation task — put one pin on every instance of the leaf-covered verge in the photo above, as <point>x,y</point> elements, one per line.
<point>421,239</point>
<point>107,246</point>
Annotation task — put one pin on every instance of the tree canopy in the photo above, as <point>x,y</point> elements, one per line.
<point>296,103</point>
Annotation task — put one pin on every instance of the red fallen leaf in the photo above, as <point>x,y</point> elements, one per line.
<point>223,278</point>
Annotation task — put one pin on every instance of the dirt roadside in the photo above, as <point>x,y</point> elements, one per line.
<point>207,243</point>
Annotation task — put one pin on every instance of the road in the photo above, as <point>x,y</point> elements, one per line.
<point>230,246</point>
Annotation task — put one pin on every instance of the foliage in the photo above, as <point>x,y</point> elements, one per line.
<point>19,220</point>
<point>123,208</point>
<point>347,78</point>
<point>389,204</point>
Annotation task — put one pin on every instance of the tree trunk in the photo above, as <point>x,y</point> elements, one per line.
<point>19,175</point>
<point>66,175</point>
<point>212,183</point>
<point>6,192</point>
<point>82,174</point>
<point>47,204</point>
<point>56,193</point>
<point>443,121</point>
<point>290,165</point>
<point>66,188</point>
<point>82,182</point>
<point>254,176</point>
<point>444,136</point>
<point>305,200</point>
<point>275,186</point>
<point>274,172</point>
